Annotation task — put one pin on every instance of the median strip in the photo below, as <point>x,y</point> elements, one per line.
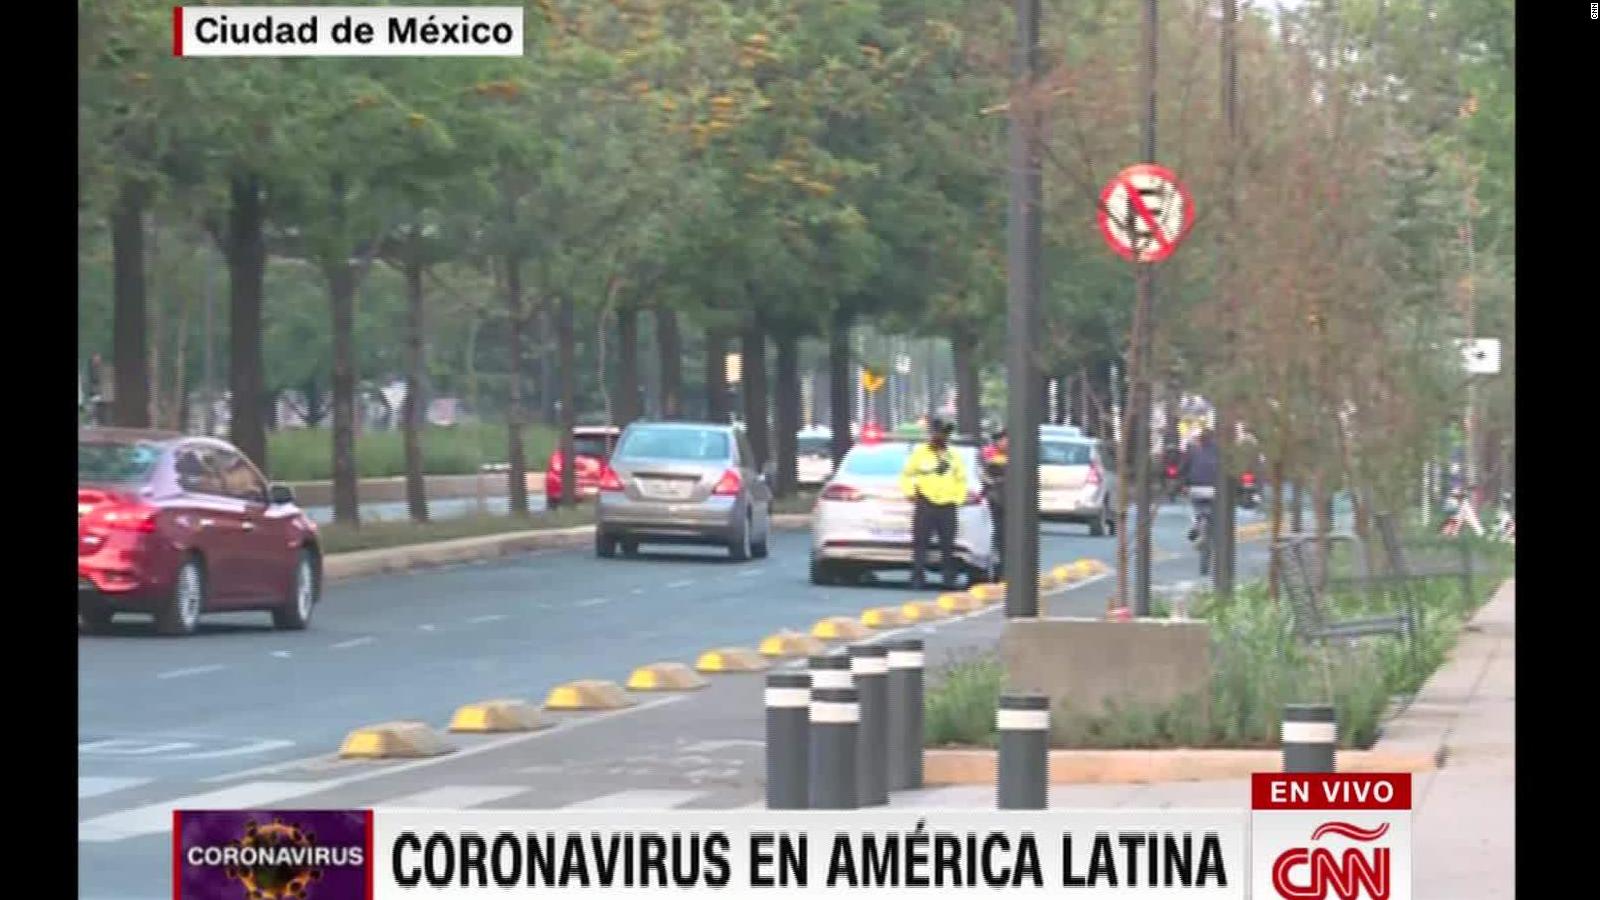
<point>790,644</point>
<point>731,659</point>
<point>959,603</point>
<point>840,628</point>
<point>883,617</point>
<point>922,611</point>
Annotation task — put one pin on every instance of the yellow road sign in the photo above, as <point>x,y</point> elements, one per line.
<point>871,380</point>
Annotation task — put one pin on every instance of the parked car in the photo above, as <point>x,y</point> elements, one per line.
<point>175,527</point>
<point>814,456</point>
<point>862,522</point>
<point>1073,482</point>
<point>591,447</point>
<point>684,483</point>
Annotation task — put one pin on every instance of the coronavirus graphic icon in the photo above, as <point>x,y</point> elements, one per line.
<point>274,881</point>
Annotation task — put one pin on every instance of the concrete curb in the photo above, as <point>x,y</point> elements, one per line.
<point>395,560</point>
<point>968,767</point>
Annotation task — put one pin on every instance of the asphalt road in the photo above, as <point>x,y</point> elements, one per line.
<point>240,715</point>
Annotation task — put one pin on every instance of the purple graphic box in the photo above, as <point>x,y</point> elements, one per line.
<point>317,854</point>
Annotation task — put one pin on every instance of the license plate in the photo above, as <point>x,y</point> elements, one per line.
<point>890,528</point>
<point>665,490</point>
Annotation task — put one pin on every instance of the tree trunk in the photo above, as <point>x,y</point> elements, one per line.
<point>788,411</point>
<point>1275,526</point>
<point>716,375</point>
<point>129,355</point>
<point>342,306</point>
<point>670,345</point>
<point>756,423</point>
<point>516,457</point>
<point>839,382</point>
<point>416,488</point>
<point>627,400</point>
<point>568,376</point>
<point>545,375</point>
<point>969,396</point>
<point>247,259</point>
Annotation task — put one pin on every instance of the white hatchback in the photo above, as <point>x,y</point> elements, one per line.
<point>862,522</point>
<point>1073,483</point>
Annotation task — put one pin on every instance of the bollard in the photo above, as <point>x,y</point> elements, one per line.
<point>1023,721</point>
<point>830,670</point>
<point>869,666</point>
<point>835,715</point>
<point>788,741</point>
<point>1310,735</point>
<point>904,699</point>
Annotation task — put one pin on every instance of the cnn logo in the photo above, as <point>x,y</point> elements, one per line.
<point>1594,10</point>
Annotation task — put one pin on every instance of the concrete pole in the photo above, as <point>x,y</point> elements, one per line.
<point>835,714</point>
<point>1023,721</point>
<point>869,666</point>
<point>788,699</point>
<point>905,713</point>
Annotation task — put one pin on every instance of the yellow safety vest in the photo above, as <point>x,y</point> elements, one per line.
<point>921,476</point>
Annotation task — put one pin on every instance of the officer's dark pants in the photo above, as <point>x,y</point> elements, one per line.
<point>933,520</point>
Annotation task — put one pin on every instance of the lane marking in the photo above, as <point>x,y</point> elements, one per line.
<point>714,746</point>
<point>463,796</point>
<point>354,642</point>
<point>250,749</point>
<point>751,573</point>
<point>130,747</point>
<point>281,654</point>
<point>479,620</point>
<point>563,727</point>
<point>155,818</point>
<point>91,786</point>
<point>636,800</point>
<point>428,627</point>
<point>637,591</point>
<point>594,601</point>
<point>680,584</point>
<point>193,670</point>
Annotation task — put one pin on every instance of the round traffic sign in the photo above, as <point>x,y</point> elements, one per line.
<point>1145,213</point>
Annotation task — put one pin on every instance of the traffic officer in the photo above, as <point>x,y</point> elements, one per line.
<point>994,487</point>
<point>936,483</point>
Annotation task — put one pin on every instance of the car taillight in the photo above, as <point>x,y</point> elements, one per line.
<point>555,461</point>
<point>587,464</point>
<point>125,517</point>
<point>1094,473</point>
<point>843,493</point>
<point>871,433</point>
<point>730,483</point>
<point>1172,471</point>
<point>609,480</point>
<point>1248,479</point>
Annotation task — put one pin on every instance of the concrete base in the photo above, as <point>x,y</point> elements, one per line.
<point>1083,664</point>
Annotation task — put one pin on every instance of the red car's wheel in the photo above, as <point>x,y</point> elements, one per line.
<point>295,614</point>
<point>180,614</point>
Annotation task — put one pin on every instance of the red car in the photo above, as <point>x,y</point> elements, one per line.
<point>174,526</point>
<point>592,445</point>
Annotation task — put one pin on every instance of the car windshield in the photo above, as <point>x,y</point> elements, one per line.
<point>814,446</point>
<point>589,445</point>
<point>104,461</point>
<point>687,444</point>
<point>1063,453</point>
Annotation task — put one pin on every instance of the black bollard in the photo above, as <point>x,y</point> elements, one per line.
<point>788,699</point>
<point>905,738</point>
<point>1023,721</point>
<point>869,666</point>
<point>835,714</point>
<point>830,671</point>
<point>1310,735</point>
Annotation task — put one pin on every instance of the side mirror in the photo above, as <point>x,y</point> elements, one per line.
<point>280,494</point>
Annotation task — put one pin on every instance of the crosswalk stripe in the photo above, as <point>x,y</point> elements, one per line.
<point>463,796</point>
<point>155,818</point>
<point>636,800</point>
<point>93,786</point>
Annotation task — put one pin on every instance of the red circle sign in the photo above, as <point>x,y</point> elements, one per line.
<point>1145,212</point>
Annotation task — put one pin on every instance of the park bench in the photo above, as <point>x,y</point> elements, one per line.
<point>1313,620</point>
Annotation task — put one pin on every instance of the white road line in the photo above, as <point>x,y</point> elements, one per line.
<point>560,728</point>
<point>90,786</point>
<point>353,642</point>
<point>636,800</point>
<point>714,746</point>
<point>282,654</point>
<point>751,573</point>
<point>637,591</point>
<point>680,584</point>
<point>463,796</point>
<point>594,601</point>
<point>193,670</point>
<point>425,627</point>
<point>155,818</point>
<point>479,620</point>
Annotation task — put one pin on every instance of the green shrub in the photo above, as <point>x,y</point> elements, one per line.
<point>962,697</point>
<point>306,454</point>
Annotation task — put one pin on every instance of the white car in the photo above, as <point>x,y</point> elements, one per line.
<point>814,456</point>
<point>862,522</point>
<point>1073,482</point>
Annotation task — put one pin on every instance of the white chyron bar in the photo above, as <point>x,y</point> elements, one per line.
<point>347,31</point>
<point>884,853</point>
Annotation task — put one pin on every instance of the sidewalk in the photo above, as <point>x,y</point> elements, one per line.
<point>1463,823</point>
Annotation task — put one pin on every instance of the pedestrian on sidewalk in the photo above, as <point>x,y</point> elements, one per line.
<point>935,481</point>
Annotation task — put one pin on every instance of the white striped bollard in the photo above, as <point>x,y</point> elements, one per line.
<point>1023,721</point>
<point>869,666</point>
<point>835,714</point>
<point>788,699</point>
<point>905,701</point>
<point>830,670</point>
<point>1310,735</point>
